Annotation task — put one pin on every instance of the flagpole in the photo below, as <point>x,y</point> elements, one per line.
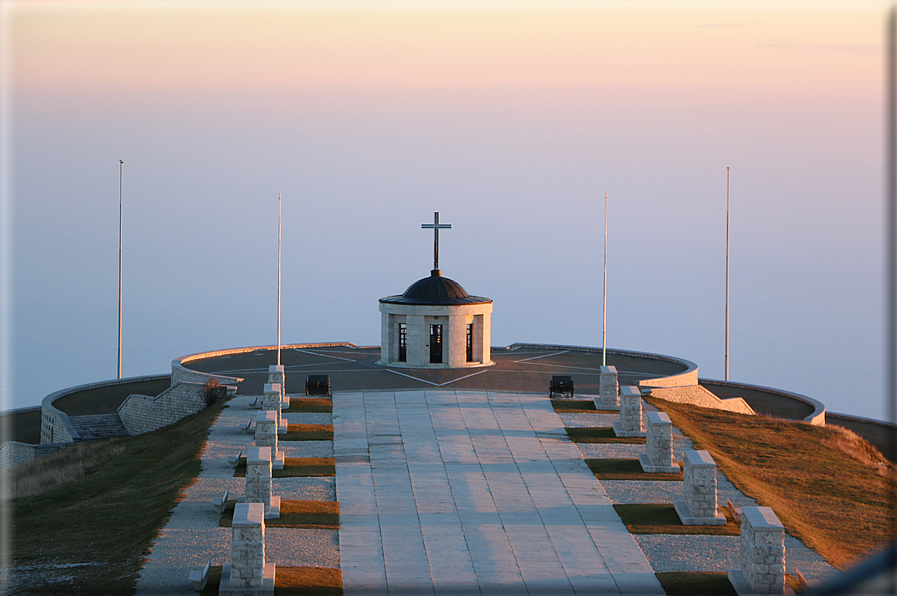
<point>121,186</point>
<point>604,322</point>
<point>279,202</point>
<point>727,273</point>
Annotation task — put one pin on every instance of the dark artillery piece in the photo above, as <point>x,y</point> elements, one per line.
<point>560,385</point>
<point>318,385</point>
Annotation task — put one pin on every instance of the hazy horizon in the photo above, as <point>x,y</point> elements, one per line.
<point>510,119</point>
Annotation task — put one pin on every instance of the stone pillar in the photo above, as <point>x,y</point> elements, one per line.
<point>266,435</point>
<point>276,375</point>
<point>658,456</point>
<point>699,507</point>
<point>247,572</point>
<point>388,348</point>
<point>762,558</point>
<point>630,423</point>
<point>273,400</point>
<point>417,352</point>
<point>608,389</point>
<point>258,481</point>
<point>456,342</point>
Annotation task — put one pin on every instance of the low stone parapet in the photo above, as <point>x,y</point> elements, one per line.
<point>608,389</point>
<point>248,573</point>
<point>699,475</point>
<point>142,413</point>
<point>658,456</point>
<point>762,557</point>
<point>630,422</point>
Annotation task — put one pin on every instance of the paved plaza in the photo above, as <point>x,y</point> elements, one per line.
<point>473,492</point>
<point>452,491</point>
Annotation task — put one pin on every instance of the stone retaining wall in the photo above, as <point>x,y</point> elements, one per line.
<point>142,414</point>
<point>13,453</point>
<point>56,426</point>
<point>698,396</point>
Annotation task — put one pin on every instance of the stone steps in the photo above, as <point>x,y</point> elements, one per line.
<point>102,426</point>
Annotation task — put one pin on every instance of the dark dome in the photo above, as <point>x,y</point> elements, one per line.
<point>435,290</point>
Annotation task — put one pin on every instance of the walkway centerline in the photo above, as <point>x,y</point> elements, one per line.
<point>451,491</point>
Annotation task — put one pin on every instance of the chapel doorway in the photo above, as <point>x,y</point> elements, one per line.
<point>435,344</point>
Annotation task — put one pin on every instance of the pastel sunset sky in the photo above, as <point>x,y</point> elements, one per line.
<point>512,119</point>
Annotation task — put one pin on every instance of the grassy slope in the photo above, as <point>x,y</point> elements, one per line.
<point>835,504</point>
<point>112,515</point>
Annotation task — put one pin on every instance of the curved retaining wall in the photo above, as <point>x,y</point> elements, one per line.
<point>56,426</point>
<point>14,453</point>
<point>142,413</point>
<point>815,410</point>
<point>182,374</point>
<point>881,434</point>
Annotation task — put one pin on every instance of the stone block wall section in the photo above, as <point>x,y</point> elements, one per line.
<point>762,556</point>
<point>56,426</point>
<point>698,396</point>
<point>13,453</point>
<point>630,423</point>
<point>142,414</point>
<point>816,417</point>
<point>247,570</point>
<point>699,486</point>
<point>608,388</point>
<point>659,444</point>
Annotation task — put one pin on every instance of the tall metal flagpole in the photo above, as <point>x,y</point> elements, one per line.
<point>121,187</point>
<point>727,273</point>
<point>278,276</point>
<point>604,323</point>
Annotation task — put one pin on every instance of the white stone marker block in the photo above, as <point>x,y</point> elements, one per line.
<point>630,423</point>
<point>258,481</point>
<point>273,400</point>
<point>699,507</point>
<point>247,573</point>
<point>608,389</point>
<point>658,456</point>
<point>276,375</point>
<point>266,435</point>
<point>762,558</point>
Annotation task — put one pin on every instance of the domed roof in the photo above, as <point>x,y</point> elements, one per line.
<point>435,290</point>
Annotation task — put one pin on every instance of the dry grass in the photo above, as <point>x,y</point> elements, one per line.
<point>854,446</point>
<point>295,467</point>
<point>295,514</point>
<point>650,518</point>
<point>309,404</point>
<point>679,583</point>
<point>600,435</point>
<point>104,523</point>
<point>625,469</point>
<point>292,581</point>
<point>64,467</point>
<point>308,432</point>
<point>573,406</point>
<point>825,485</point>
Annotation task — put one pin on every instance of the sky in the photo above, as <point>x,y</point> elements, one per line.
<point>512,119</point>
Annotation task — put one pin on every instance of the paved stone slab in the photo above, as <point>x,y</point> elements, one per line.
<point>445,492</point>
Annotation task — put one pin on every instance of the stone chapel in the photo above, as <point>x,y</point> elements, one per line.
<point>435,323</point>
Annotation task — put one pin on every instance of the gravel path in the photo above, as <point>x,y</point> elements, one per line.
<point>683,552</point>
<point>192,536</point>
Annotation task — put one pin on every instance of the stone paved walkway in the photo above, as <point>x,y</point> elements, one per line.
<point>446,492</point>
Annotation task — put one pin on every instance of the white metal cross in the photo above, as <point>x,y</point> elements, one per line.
<point>436,226</point>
